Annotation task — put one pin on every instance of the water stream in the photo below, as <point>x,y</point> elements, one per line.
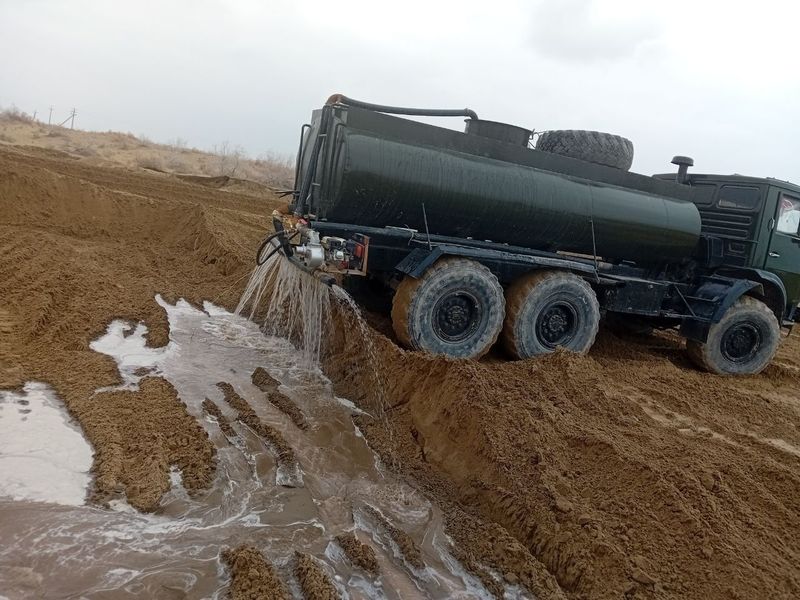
<point>55,547</point>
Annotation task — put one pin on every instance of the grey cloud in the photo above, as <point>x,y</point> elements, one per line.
<point>250,71</point>
<point>573,30</point>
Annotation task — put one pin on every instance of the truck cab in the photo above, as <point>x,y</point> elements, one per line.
<point>758,221</point>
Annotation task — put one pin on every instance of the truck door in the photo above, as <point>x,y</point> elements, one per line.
<point>783,255</point>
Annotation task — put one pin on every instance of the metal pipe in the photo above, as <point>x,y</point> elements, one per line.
<point>305,186</point>
<point>400,110</point>
<point>299,161</point>
<point>683,162</point>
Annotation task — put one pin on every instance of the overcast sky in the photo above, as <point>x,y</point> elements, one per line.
<point>719,81</point>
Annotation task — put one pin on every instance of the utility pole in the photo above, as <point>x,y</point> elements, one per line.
<point>50,116</point>
<point>34,114</point>
<point>72,120</point>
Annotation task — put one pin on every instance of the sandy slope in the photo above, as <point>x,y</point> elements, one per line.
<point>80,246</point>
<point>624,472</point>
<point>139,153</point>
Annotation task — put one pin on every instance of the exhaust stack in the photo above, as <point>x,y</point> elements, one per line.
<point>683,162</point>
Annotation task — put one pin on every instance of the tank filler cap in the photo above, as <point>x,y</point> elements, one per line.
<point>683,162</point>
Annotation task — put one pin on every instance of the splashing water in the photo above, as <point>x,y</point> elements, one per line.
<point>259,281</point>
<point>299,308</point>
<point>375,362</point>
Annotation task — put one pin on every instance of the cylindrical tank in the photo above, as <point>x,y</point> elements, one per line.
<point>503,132</point>
<point>378,181</point>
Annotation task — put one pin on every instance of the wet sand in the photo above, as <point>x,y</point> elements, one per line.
<point>285,498</point>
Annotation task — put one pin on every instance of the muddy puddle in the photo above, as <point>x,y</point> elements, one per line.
<point>329,485</point>
<point>43,455</point>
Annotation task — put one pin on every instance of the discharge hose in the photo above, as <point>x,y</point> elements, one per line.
<point>259,260</point>
<point>400,110</point>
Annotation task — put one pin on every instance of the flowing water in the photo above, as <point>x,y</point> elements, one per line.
<point>298,305</point>
<point>53,546</point>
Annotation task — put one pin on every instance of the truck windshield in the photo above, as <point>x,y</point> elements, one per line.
<point>789,215</point>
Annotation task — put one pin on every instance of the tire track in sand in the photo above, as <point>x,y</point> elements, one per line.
<point>269,385</point>
<point>271,436</point>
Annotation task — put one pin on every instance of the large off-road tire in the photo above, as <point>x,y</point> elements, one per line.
<point>550,309</point>
<point>591,146</point>
<point>742,343</point>
<point>456,308</point>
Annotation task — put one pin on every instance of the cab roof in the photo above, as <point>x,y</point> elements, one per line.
<point>735,178</point>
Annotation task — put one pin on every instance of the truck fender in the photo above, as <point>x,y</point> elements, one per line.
<point>418,261</point>
<point>716,295</point>
<point>770,291</point>
<point>738,289</point>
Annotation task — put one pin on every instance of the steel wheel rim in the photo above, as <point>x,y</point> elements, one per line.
<point>557,324</point>
<point>741,342</point>
<point>456,316</point>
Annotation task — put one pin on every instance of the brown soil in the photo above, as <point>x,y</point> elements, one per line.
<point>81,246</point>
<point>314,582</point>
<point>213,410</point>
<point>248,416</point>
<point>267,384</point>
<point>214,169</point>
<point>359,553</point>
<point>252,576</point>
<point>480,543</point>
<point>625,472</point>
<point>134,455</point>
<point>404,542</point>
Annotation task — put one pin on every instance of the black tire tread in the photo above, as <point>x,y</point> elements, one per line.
<point>698,351</point>
<point>405,292</point>
<point>591,146</point>
<point>517,293</point>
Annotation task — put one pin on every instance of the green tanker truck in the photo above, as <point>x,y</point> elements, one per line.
<point>481,238</point>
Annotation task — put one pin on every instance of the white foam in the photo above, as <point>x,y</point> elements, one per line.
<point>43,456</point>
<point>128,345</point>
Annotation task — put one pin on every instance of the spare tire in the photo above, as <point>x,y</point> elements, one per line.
<point>591,146</point>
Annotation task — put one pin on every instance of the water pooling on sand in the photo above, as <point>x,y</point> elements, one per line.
<point>52,550</point>
<point>43,455</point>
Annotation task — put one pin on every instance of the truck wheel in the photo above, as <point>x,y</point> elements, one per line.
<point>456,308</point>
<point>742,343</point>
<point>550,309</point>
<point>591,146</point>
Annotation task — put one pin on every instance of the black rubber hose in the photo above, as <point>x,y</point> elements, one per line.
<point>400,110</point>
<point>268,239</point>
